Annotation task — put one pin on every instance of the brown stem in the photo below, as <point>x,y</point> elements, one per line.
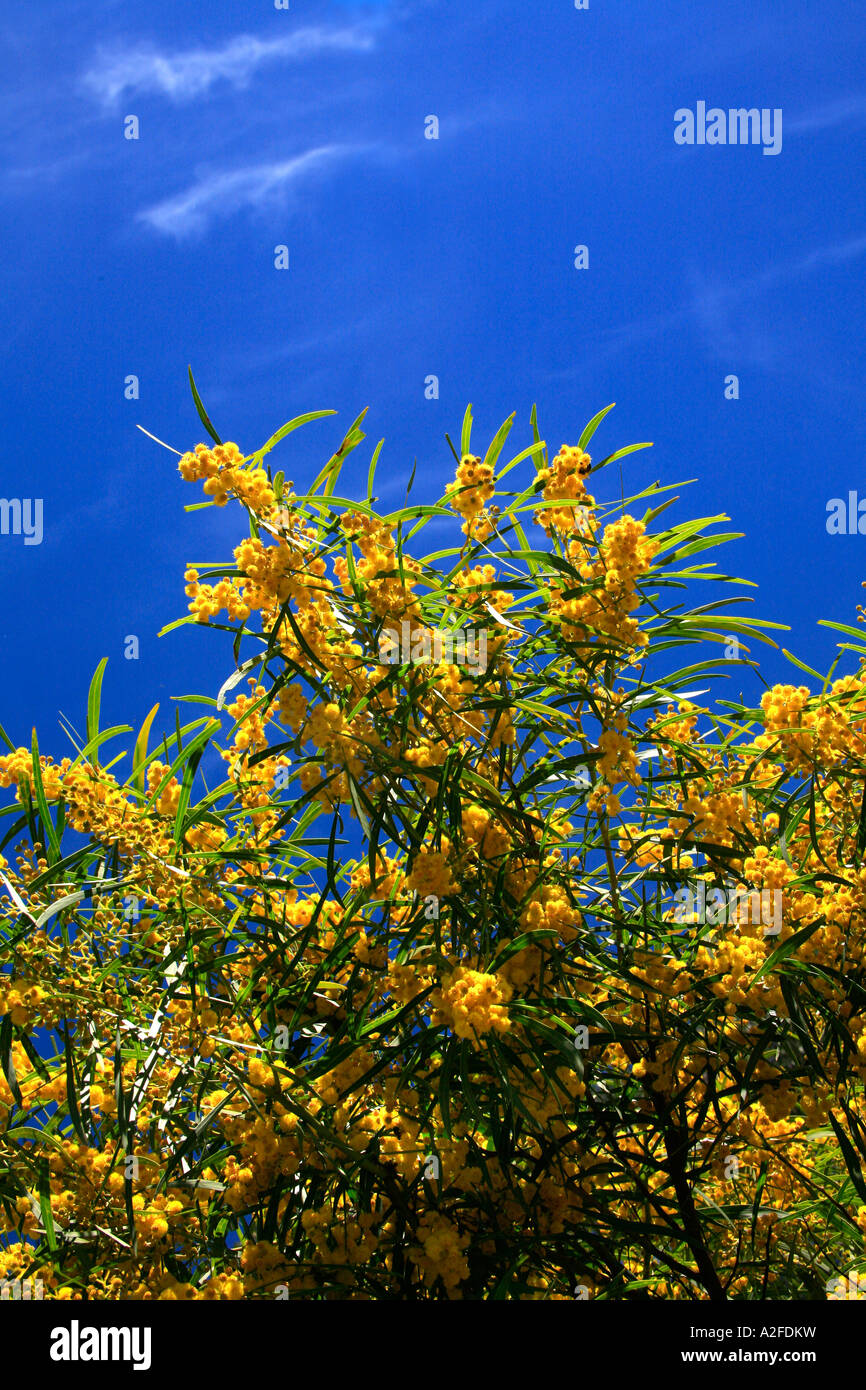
<point>676,1147</point>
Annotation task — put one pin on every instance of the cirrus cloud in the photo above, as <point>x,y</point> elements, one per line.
<point>186,75</point>
<point>224,192</point>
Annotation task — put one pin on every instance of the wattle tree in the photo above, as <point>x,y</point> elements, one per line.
<point>492,965</point>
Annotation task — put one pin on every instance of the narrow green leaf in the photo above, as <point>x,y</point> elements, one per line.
<point>371,475</point>
<point>94,697</point>
<point>52,849</point>
<point>202,413</point>
<point>795,661</point>
<point>593,425</point>
<point>287,429</point>
<point>139,757</point>
<point>6,1061</point>
<point>466,432</point>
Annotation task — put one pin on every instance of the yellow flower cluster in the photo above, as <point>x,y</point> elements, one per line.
<point>612,570</point>
<point>806,731</point>
<point>440,1252</point>
<point>295,1072</point>
<point>471,489</point>
<point>222,469</point>
<point>564,482</point>
<point>430,875</point>
<point>473,1002</point>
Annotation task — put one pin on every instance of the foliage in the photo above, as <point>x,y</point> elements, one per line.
<point>407,1005</point>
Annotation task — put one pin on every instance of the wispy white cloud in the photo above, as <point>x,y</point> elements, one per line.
<point>250,359</point>
<point>223,193</point>
<point>836,254</point>
<point>186,75</point>
<point>844,111</point>
<point>717,310</point>
<point>731,324</point>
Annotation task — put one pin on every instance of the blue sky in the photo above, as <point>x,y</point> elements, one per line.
<point>411,257</point>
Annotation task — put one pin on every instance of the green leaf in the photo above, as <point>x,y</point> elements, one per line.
<point>466,432</point>
<point>593,425</point>
<point>859,632</point>
<point>139,757</point>
<point>211,727</point>
<point>371,475</point>
<point>498,443</point>
<point>288,428</point>
<point>531,452</point>
<point>186,790</point>
<point>852,1162</point>
<point>202,413</point>
<point>71,1088</point>
<point>787,948</point>
<point>795,661</point>
<point>541,461</point>
<point>621,454</point>
<point>45,1206</point>
<point>94,697</point>
<point>6,1059</point>
<point>57,906</point>
<point>861,828</point>
<point>52,849</point>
